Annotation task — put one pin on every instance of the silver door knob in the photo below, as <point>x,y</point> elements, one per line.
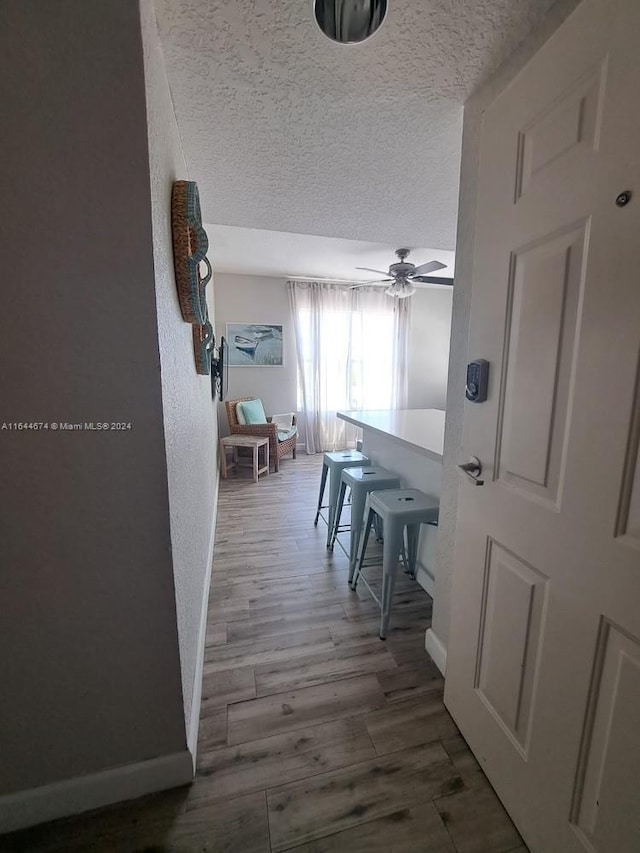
<point>473,469</point>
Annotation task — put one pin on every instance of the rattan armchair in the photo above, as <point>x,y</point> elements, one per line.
<point>277,449</point>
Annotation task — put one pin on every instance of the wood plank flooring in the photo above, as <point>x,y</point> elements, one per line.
<point>315,736</point>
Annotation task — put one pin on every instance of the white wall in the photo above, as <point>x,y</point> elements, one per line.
<point>257,299</point>
<point>190,424</point>
<point>429,347</point>
<point>473,113</point>
<point>88,632</point>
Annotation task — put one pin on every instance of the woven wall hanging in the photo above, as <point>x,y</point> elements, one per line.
<point>203,343</point>
<point>190,246</point>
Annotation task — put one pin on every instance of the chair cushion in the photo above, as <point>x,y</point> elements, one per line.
<point>284,434</point>
<point>253,412</point>
<point>284,421</point>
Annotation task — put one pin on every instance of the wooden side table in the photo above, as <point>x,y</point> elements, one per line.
<point>234,442</point>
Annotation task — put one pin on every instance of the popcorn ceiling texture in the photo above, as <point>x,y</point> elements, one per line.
<point>285,130</point>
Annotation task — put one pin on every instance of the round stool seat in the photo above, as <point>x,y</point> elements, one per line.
<point>369,475</point>
<point>345,457</point>
<point>412,504</point>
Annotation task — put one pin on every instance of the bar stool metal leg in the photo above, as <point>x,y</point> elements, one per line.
<point>323,482</point>
<point>369,516</point>
<point>391,550</point>
<point>334,488</point>
<point>379,529</point>
<point>358,503</point>
<point>411,561</point>
<point>338,513</point>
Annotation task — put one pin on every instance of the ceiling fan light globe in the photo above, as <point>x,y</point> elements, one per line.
<point>400,289</point>
<point>403,273</point>
<point>349,21</point>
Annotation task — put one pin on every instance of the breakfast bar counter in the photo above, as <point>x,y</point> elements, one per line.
<point>408,442</point>
<point>421,430</point>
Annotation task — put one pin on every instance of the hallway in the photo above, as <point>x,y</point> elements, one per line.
<point>315,736</point>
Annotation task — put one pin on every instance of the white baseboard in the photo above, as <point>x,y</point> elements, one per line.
<point>196,695</point>
<point>83,793</point>
<point>438,651</point>
<point>425,578</point>
<point>117,784</point>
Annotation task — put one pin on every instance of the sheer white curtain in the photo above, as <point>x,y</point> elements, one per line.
<point>351,348</point>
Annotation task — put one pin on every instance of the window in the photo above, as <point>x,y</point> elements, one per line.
<point>351,348</point>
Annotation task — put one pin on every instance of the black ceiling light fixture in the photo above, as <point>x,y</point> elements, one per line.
<point>349,21</point>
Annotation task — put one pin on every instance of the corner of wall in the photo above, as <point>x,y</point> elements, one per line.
<point>194,720</point>
<point>85,793</point>
<point>190,425</point>
<point>259,299</point>
<point>436,649</point>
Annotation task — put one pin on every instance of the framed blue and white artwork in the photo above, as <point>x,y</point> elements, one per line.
<point>254,345</point>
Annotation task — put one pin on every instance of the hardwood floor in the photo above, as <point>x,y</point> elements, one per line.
<point>315,736</point>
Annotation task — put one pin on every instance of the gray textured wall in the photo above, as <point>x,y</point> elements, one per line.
<point>258,299</point>
<point>453,451</point>
<point>89,662</point>
<point>190,425</point>
<point>429,347</point>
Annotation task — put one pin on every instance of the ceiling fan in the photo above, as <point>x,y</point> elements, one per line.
<point>404,276</point>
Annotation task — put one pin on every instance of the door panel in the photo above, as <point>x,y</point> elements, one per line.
<point>510,637</point>
<point>573,122</point>
<point>607,807</point>
<point>542,319</point>
<point>543,664</point>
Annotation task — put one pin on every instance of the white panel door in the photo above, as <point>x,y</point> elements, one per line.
<point>543,665</point>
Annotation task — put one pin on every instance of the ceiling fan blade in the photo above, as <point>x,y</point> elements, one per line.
<point>423,269</point>
<point>378,272</point>
<point>431,279</point>
<point>375,283</point>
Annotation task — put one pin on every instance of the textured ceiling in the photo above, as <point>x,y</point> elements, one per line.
<point>285,130</point>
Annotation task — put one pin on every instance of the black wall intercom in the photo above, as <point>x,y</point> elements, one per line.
<point>477,380</point>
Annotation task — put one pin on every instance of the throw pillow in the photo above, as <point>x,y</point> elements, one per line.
<point>253,412</point>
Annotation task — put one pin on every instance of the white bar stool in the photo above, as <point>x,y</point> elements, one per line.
<point>333,463</point>
<point>361,481</point>
<point>400,510</point>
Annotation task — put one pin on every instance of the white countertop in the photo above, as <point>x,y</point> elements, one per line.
<point>419,429</point>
